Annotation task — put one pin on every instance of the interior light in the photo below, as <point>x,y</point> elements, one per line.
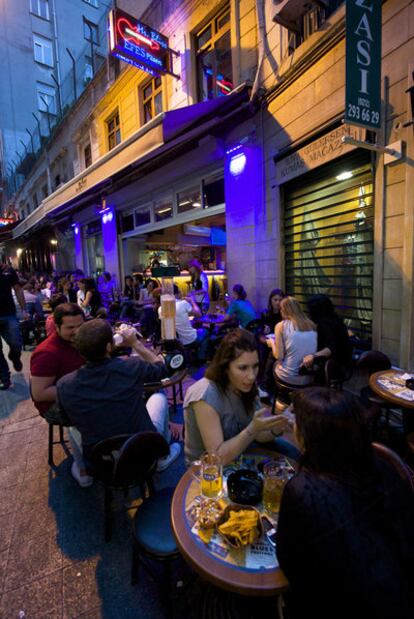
<point>196,204</point>
<point>19,252</point>
<point>53,242</point>
<point>164,210</point>
<point>344,176</point>
<point>76,230</point>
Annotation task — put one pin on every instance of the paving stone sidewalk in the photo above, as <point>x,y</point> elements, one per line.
<point>54,562</point>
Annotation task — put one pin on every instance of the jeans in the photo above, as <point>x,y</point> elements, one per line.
<point>157,407</point>
<point>10,332</point>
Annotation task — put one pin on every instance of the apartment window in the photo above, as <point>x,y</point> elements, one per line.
<point>88,71</point>
<point>87,155</point>
<point>35,201</point>
<point>90,31</point>
<point>40,8</point>
<point>43,50</point>
<point>310,22</point>
<point>46,98</point>
<point>114,130</point>
<point>44,191</point>
<point>152,99</point>
<point>93,3</point>
<point>213,52</point>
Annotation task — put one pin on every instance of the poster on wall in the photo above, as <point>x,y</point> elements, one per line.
<point>363,63</point>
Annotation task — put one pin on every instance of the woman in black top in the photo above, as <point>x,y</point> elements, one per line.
<point>272,316</point>
<point>92,296</point>
<point>345,536</point>
<point>333,339</point>
<point>128,287</point>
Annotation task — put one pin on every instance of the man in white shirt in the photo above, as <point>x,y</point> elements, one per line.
<point>186,334</point>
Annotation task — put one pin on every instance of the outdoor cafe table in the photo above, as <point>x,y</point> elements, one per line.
<point>390,386</point>
<point>228,572</point>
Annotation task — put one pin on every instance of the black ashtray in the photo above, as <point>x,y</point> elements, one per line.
<point>245,487</point>
<point>409,383</point>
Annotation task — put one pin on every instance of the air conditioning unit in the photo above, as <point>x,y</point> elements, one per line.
<point>289,12</point>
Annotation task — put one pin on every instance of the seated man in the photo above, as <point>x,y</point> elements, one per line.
<point>55,356</point>
<point>104,398</point>
<point>186,334</point>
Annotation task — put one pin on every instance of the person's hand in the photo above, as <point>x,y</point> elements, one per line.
<point>308,361</point>
<point>25,315</point>
<point>176,430</point>
<point>264,421</point>
<point>129,337</point>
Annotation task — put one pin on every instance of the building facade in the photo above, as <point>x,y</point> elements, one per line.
<point>240,161</point>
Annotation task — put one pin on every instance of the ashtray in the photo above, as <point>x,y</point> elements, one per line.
<point>245,487</point>
<point>409,383</point>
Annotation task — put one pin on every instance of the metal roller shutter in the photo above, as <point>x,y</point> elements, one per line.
<point>328,234</point>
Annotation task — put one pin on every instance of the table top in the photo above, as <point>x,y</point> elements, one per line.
<point>390,385</point>
<point>166,382</point>
<point>239,571</point>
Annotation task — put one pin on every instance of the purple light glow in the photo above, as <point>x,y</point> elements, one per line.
<point>109,239</point>
<point>78,246</point>
<point>237,164</point>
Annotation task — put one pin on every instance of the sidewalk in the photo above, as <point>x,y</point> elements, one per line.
<point>54,562</point>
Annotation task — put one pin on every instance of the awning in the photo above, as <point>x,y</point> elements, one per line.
<point>152,144</point>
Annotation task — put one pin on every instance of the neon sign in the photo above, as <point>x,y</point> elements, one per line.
<point>5,221</point>
<point>138,44</point>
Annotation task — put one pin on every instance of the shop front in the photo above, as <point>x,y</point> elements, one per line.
<point>328,227</point>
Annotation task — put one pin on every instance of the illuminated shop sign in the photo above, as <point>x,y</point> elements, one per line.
<point>6,221</point>
<point>138,44</point>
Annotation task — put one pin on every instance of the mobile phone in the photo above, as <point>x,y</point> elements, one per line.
<point>269,529</point>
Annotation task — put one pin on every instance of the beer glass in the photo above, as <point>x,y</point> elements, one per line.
<point>275,477</point>
<point>208,471</point>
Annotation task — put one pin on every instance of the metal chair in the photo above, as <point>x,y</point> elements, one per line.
<point>123,462</point>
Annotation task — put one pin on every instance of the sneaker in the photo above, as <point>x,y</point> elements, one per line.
<point>262,393</point>
<point>81,477</point>
<point>164,463</point>
<point>17,364</point>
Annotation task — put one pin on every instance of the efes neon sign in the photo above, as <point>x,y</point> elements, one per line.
<point>138,44</point>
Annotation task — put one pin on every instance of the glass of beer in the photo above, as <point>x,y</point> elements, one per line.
<point>209,475</point>
<point>275,477</point>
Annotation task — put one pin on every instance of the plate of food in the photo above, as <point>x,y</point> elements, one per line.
<point>240,525</point>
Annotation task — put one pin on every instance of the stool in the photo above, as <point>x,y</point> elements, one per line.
<point>53,442</point>
<point>153,537</point>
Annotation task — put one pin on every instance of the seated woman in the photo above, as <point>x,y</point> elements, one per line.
<point>295,337</point>
<point>345,536</point>
<point>271,317</point>
<point>333,340</point>
<point>240,308</point>
<point>222,412</point>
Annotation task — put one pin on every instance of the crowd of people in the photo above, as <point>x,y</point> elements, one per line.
<point>346,516</point>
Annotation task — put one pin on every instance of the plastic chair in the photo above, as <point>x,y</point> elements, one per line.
<point>369,362</point>
<point>123,462</point>
<point>395,461</point>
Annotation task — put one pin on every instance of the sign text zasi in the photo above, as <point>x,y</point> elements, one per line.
<point>363,63</point>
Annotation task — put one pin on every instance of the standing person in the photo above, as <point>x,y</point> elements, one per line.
<point>345,536</point>
<point>9,326</point>
<point>55,356</point>
<point>104,398</point>
<point>222,412</point>
<point>240,308</point>
<point>270,318</point>
<point>295,337</point>
<point>199,285</point>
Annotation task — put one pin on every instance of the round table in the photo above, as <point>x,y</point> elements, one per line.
<point>263,582</point>
<point>389,386</point>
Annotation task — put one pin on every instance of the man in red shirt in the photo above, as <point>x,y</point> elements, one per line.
<point>56,356</point>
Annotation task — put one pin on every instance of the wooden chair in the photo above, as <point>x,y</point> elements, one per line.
<point>123,462</point>
<point>369,362</point>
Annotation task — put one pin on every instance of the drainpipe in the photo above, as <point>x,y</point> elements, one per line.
<point>57,80</point>
<point>73,72</point>
<point>261,32</point>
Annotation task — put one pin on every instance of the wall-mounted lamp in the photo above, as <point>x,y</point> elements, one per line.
<point>237,164</point>
<point>19,252</point>
<point>107,216</point>
<point>53,242</point>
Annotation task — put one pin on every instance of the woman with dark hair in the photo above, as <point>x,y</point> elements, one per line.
<point>345,536</point>
<point>199,285</point>
<point>333,340</point>
<point>240,308</point>
<point>272,316</point>
<point>222,412</point>
<point>92,301</point>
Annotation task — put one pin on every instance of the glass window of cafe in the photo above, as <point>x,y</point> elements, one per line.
<point>329,243</point>
<point>94,248</point>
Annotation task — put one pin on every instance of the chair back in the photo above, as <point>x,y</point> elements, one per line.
<point>395,461</point>
<point>127,460</point>
<point>335,374</point>
<point>373,361</point>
